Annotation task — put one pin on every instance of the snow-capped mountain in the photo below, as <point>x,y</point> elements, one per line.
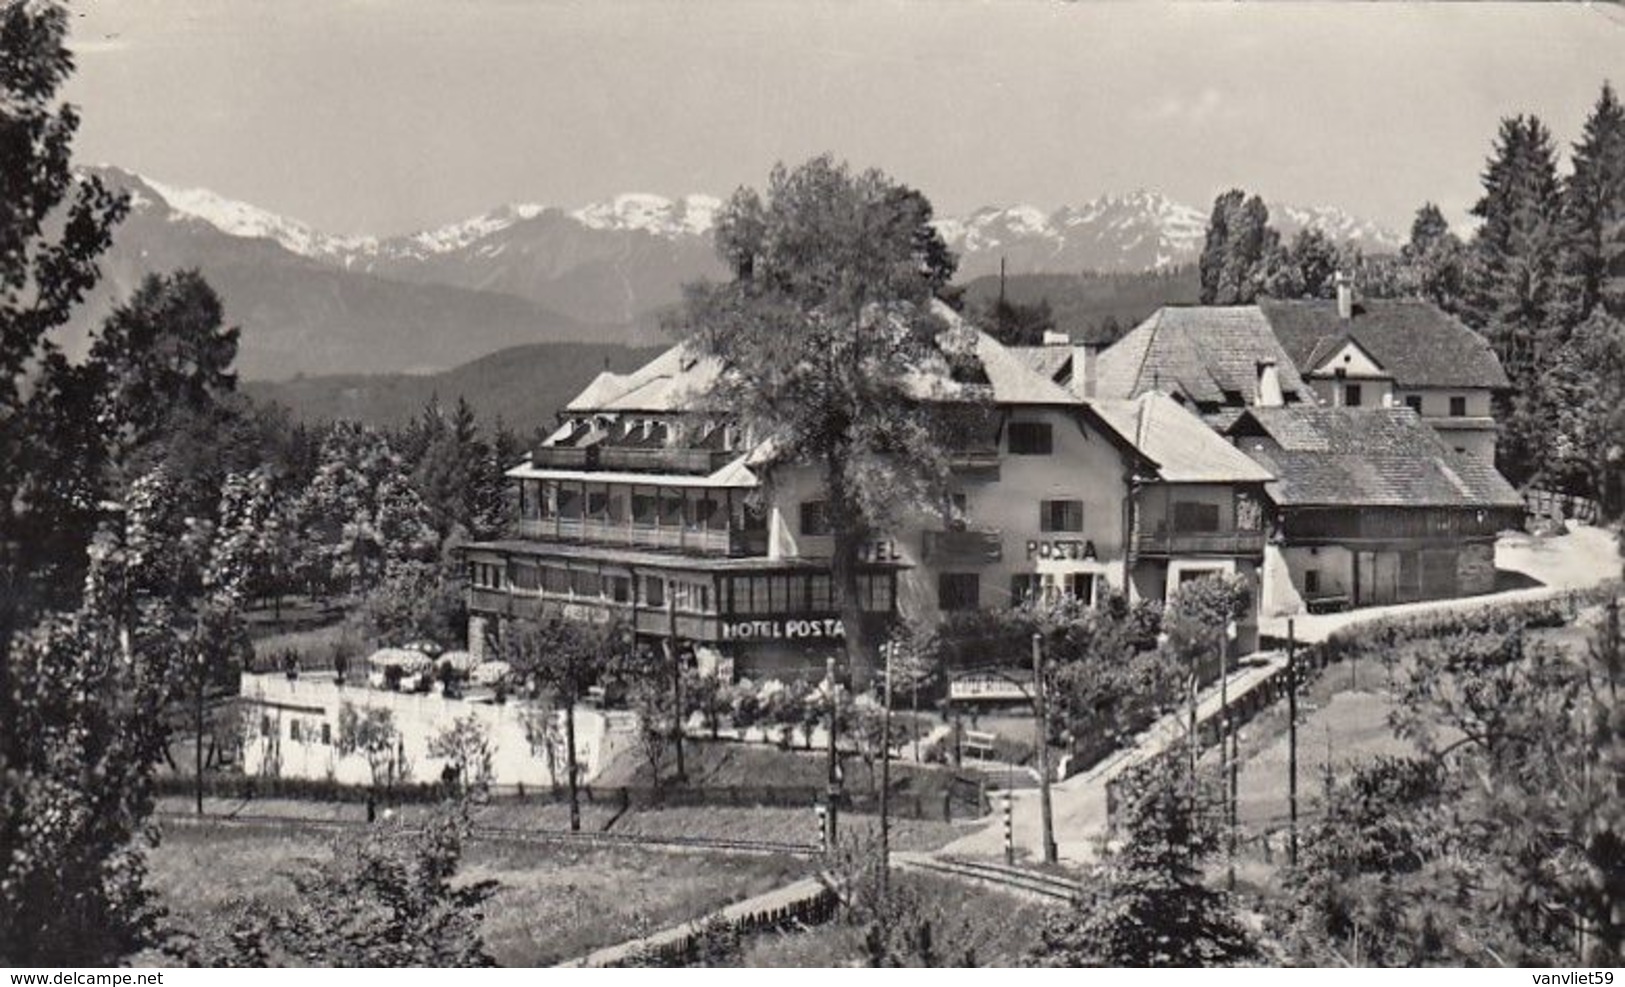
<point>601,271</point>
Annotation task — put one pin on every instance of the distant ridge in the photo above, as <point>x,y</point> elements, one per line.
<point>523,385</point>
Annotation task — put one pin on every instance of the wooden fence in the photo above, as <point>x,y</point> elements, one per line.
<point>1546,503</point>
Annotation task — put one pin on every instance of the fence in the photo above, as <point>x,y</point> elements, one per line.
<point>1547,503</point>
<point>961,797</point>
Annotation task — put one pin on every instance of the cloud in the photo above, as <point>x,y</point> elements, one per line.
<point>1204,107</point>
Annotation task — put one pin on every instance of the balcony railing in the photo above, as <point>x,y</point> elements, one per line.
<point>705,541</point>
<point>963,547</point>
<point>633,459</point>
<point>979,462</point>
<point>1201,543</point>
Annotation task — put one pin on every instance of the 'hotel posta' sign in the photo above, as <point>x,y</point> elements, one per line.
<point>783,629</point>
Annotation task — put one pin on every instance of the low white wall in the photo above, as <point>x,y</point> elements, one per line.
<point>293,730</point>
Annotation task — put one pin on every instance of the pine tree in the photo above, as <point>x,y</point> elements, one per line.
<point>1514,286</point>
<point>1593,220</point>
<point>1434,260</point>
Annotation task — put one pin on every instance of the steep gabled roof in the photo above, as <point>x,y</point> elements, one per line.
<point>1414,340</point>
<point>1185,449</point>
<point>673,381</point>
<point>1365,457</point>
<point>1211,354</point>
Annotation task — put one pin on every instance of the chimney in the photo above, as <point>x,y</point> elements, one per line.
<point>1269,385</point>
<point>1085,359</point>
<point>1055,338</point>
<point>1345,297</point>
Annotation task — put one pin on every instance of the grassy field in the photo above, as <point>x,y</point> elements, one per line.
<point>998,929</point>
<point>554,902</point>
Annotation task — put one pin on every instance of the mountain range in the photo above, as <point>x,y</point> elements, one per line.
<point>311,302</point>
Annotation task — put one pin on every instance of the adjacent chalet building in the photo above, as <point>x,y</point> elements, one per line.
<point>1345,353</point>
<point>1381,353</point>
<point>1371,506</point>
<point>647,505</point>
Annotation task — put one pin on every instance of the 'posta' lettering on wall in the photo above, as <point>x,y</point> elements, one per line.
<point>1062,548</point>
<point>776,630</point>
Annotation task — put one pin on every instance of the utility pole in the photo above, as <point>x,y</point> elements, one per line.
<point>1292,740</point>
<point>834,763</point>
<point>885,779</point>
<point>676,678</point>
<point>1041,722</point>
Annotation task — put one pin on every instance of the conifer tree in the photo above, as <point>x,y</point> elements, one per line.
<point>1593,220</point>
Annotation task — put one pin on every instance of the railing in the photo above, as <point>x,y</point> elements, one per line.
<point>706,541</point>
<point>963,547</point>
<point>983,461</point>
<point>633,459</point>
<point>1201,543</point>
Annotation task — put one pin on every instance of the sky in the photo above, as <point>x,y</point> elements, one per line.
<point>389,116</point>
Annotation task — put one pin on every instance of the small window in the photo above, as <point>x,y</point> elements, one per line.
<point>1414,402</point>
<point>1060,515</point>
<point>654,591</point>
<point>1024,588</point>
<point>1352,395</point>
<point>293,731</point>
<point>620,589</point>
<point>1311,582</point>
<point>1458,407</point>
<point>959,591</point>
<point>1031,439</point>
<point>327,733</point>
<point>814,517</point>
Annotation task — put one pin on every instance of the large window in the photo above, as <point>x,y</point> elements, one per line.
<point>1081,587</point>
<point>1025,587</point>
<point>654,591</point>
<point>1060,515</point>
<point>814,517</point>
<point>1195,517</point>
<point>959,591</point>
<point>1031,439</point>
<point>1458,407</point>
<point>1353,396</point>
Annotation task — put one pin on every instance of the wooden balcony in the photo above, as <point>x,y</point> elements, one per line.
<point>977,463</point>
<point>1200,543</point>
<point>980,547</point>
<point>633,459</point>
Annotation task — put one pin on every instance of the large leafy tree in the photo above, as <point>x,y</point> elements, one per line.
<point>53,226</point>
<point>830,352</point>
<point>1434,260</point>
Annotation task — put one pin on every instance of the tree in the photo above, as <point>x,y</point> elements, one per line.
<point>1239,245</point>
<point>1435,260</point>
<point>1146,905</point>
<point>466,747</point>
<point>561,659</point>
<point>1593,213</point>
<point>53,227</point>
<point>85,727</point>
<point>825,340</point>
<point>1584,392</point>
<point>1013,323</point>
<point>372,734</point>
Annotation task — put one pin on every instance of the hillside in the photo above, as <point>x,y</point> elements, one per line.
<point>524,385</point>
<point>1081,302</point>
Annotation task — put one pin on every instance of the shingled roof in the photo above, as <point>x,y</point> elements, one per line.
<point>1208,354</point>
<point>1184,448</point>
<point>1365,457</point>
<point>674,380</point>
<point>1415,341</point>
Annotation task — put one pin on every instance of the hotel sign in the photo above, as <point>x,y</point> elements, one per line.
<point>785,629</point>
<point>1073,549</point>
